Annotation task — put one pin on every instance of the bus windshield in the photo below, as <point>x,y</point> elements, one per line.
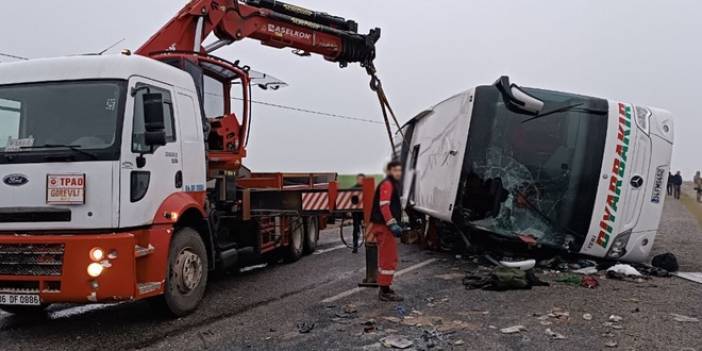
<point>534,177</point>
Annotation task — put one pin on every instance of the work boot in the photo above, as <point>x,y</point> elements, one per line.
<point>355,250</point>
<point>389,296</point>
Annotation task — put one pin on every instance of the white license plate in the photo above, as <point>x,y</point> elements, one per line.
<point>19,300</point>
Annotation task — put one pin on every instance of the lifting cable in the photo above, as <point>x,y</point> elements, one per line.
<point>377,86</point>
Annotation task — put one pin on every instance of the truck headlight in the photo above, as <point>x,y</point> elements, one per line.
<point>618,248</point>
<point>95,269</point>
<point>96,254</point>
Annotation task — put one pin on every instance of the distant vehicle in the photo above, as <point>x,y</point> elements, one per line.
<point>542,168</point>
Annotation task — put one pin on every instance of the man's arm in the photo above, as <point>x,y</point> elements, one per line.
<point>386,190</point>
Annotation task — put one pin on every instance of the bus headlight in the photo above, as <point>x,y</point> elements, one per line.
<point>95,269</point>
<point>618,248</point>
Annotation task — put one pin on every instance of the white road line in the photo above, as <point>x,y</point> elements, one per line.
<point>350,292</point>
<point>319,252</point>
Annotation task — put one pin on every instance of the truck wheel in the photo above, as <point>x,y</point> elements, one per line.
<point>311,234</point>
<point>25,310</point>
<point>297,240</point>
<point>186,278</point>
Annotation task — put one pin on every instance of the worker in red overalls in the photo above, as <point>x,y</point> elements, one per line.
<point>386,217</point>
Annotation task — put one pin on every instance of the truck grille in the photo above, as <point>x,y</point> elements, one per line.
<point>28,259</point>
<point>31,214</point>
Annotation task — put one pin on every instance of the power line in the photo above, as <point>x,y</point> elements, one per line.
<point>13,57</point>
<point>304,110</point>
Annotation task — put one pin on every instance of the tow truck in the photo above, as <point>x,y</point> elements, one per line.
<point>122,176</point>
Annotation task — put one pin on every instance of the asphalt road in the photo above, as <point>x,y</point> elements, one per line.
<point>262,309</point>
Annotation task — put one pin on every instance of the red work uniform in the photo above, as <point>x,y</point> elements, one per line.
<point>387,210</point>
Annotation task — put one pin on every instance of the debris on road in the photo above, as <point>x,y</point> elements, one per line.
<point>589,282</point>
<point>554,335</point>
<point>624,269</point>
<point>513,330</point>
<point>684,319</point>
<point>586,271</point>
<point>611,344</point>
<point>502,279</point>
<point>666,261</point>
<point>305,327</point>
<point>587,317</point>
<point>396,342</point>
<point>615,318</point>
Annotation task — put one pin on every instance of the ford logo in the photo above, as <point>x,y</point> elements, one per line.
<point>15,180</point>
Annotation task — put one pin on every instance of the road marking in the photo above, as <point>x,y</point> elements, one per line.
<point>350,292</point>
<point>319,252</point>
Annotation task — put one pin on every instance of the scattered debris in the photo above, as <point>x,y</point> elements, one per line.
<point>666,261</point>
<point>624,269</point>
<point>305,327</point>
<point>350,309</point>
<point>586,271</point>
<point>691,276</point>
<point>589,282</point>
<point>502,279</point>
<point>521,265</point>
<point>615,318</point>
<point>458,342</point>
<point>392,319</point>
<point>554,335</point>
<point>396,342</point>
<point>513,330</point>
<point>611,344</point>
<point>684,319</point>
<point>587,317</point>
<point>369,326</point>
<point>570,279</point>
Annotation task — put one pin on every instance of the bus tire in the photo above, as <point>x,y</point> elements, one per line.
<point>296,244</point>
<point>311,234</point>
<point>186,278</point>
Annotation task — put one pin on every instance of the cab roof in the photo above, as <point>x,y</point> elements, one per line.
<point>86,67</point>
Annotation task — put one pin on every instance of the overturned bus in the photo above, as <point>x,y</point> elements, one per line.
<point>539,168</point>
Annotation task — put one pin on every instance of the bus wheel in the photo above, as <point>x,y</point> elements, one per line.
<point>25,310</point>
<point>186,278</point>
<point>296,244</point>
<point>311,234</point>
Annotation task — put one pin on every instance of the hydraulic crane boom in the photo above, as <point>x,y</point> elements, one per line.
<point>274,23</point>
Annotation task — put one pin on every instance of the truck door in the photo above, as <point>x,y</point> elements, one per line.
<point>144,188</point>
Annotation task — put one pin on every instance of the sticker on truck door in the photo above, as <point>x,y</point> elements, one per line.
<point>65,189</point>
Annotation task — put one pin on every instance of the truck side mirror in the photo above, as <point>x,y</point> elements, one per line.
<point>517,99</point>
<point>153,112</point>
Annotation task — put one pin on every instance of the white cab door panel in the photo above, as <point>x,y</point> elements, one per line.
<point>162,173</point>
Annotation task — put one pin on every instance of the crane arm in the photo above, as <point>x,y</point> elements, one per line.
<point>273,23</point>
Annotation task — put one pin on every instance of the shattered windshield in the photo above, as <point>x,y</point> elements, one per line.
<point>534,178</point>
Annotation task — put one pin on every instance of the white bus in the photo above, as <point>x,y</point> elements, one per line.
<point>545,168</point>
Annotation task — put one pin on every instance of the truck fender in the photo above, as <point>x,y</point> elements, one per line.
<point>187,209</point>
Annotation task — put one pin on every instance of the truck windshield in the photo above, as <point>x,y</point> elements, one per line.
<point>534,178</point>
<point>37,118</point>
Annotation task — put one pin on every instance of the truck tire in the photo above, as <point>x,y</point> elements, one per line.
<point>296,246</point>
<point>25,310</point>
<point>311,234</point>
<point>186,278</point>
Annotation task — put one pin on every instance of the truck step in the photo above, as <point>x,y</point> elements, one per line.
<point>145,288</point>
<point>140,251</point>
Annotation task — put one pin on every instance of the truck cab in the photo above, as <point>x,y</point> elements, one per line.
<point>506,164</point>
<point>96,170</point>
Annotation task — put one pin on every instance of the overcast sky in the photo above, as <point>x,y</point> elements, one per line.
<point>644,52</point>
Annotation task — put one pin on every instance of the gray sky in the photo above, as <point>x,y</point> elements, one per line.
<point>644,52</point>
